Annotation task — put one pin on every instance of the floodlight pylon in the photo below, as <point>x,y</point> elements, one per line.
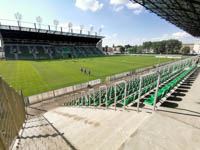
<point>18,17</point>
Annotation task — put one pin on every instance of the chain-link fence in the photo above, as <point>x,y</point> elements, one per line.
<point>12,114</point>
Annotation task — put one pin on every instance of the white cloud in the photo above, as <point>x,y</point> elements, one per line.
<point>102,26</point>
<point>177,35</point>
<point>119,5</point>
<point>132,5</point>
<point>118,2</point>
<point>180,35</point>
<point>137,11</point>
<point>114,35</point>
<point>111,39</point>
<point>92,5</point>
<point>118,8</point>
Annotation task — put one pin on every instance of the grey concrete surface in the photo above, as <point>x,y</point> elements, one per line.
<point>184,104</point>
<point>160,132</point>
<point>174,126</point>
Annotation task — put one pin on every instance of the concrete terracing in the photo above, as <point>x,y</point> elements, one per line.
<point>174,126</point>
<point>160,132</point>
<point>96,129</point>
<point>184,104</point>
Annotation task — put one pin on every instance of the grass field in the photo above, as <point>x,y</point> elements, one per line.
<point>40,76</point>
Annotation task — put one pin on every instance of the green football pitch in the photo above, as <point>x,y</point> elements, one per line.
<point>40,76</point>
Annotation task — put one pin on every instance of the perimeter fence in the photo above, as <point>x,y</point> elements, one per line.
<point>12,115</point>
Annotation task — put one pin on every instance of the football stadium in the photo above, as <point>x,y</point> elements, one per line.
<point>63,88</point>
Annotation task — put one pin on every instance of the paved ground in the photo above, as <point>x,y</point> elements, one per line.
<point>175,126</point>
<point>39,134</point>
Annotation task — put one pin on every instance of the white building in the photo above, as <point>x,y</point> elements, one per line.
<point>196,48</point>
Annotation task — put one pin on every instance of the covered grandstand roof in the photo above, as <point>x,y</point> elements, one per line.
<point>185,14</point>
<point>12,29</point>
<point>16,34</point>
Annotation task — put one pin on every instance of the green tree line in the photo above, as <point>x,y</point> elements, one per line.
<point>171,46</point>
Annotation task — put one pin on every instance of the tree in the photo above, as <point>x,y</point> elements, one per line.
<point>121,48</point>
<point>127,47</point>
<point>147,46</point>
<point>165,46</point>
<point>186,50</point>
<point>174,46</point>
<point>156,47</point>
<point>133,50</point>
<point>105,49</point>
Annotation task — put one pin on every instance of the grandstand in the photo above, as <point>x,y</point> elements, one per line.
<point>23,43</point>
<point>145,108</point>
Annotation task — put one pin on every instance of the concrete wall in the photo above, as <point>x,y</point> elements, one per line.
<point>55,93</point>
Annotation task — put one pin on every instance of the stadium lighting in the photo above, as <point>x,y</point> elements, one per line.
<point>56,22</point>
<point>70,26</point>
<point>18,17</point>
<point>81,29</point>
<point>39,21</point>
<point>100,30</point>
<point>91,29</point>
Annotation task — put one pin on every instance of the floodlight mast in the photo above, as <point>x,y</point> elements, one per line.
<point>18,17</point>
<point>91,29</point>
<point>56,22</point>
<point>81,29</point>
<point>70,27</point>
<point>100,30</point>
<point>39,21</point>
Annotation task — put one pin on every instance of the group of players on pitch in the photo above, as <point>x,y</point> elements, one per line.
<point>85,71</point>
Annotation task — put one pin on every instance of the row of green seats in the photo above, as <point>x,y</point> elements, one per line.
<point>162,92</point>
<point>147,88</point>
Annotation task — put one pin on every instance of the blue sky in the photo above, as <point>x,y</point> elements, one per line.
<point>122,21</point>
